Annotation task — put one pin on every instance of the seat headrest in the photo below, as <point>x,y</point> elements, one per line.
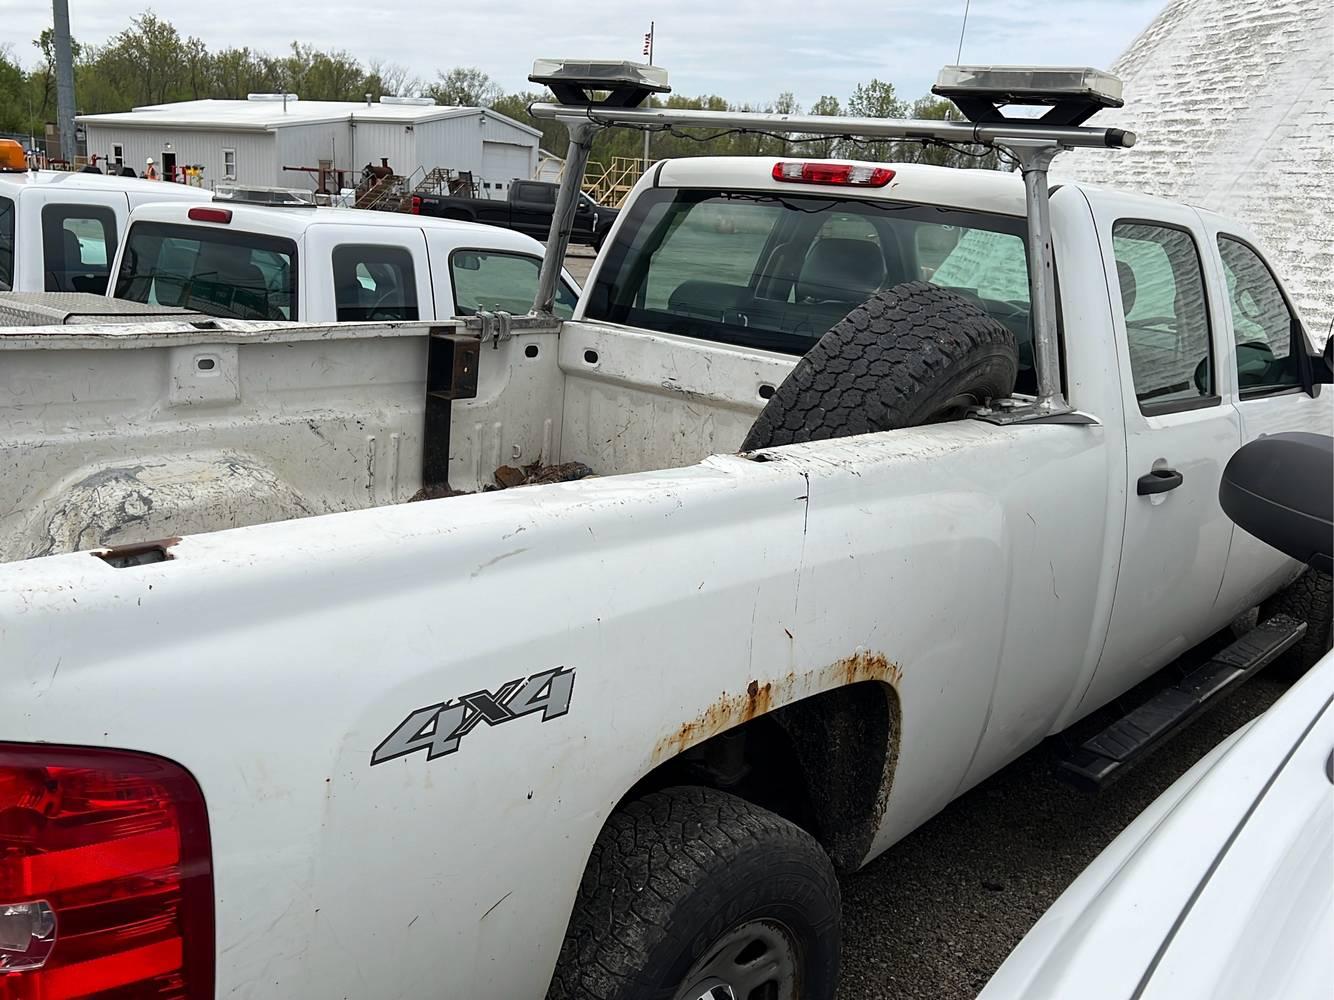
<point>841,270</point>
<point>72,249</point>
<point>1126,278</point>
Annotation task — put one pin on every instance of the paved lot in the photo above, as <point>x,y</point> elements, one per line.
<point>936,915</point>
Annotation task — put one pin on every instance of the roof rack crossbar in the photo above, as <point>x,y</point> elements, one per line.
<point>816,125</point>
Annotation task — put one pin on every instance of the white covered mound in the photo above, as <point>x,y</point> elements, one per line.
<point>1233,101</point>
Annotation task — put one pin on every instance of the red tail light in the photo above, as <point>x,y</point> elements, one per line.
<point>106,881</point>
<point>223,215</point>
<point>416,204</point>
<point>843,174</point>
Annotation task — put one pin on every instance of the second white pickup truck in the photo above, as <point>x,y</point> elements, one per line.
<point>613,738</point>
<point>266,254</point>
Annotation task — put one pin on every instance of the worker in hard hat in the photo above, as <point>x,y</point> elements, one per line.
<point>150,171</point>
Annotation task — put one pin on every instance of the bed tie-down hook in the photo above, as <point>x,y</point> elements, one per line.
<point>495,326</point>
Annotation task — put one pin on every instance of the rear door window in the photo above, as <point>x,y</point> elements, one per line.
<point>486,280</point>
<point>78,242</point>
<point>1262,323</point>
<point>374,283</point>
<point>6,244</point>
<point>1167,321</point>
<point>235,275</point>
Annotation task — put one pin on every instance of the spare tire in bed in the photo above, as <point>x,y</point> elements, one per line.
<point>913,354</point>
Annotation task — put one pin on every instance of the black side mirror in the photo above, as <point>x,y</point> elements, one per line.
<point>1313,369</point>
<point>1280,489</point>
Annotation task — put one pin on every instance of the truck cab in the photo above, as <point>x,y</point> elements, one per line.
<point>288,260</point>
<point>58,230</point>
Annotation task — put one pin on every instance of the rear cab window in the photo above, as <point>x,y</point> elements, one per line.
<point>494,281</point>
<point>78,242</point>
<point>373,282</point>
<point>776,271</point>
<point>236,275</point>
<point>6,244</point>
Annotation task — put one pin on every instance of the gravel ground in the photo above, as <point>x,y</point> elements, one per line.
<point>936,915</point>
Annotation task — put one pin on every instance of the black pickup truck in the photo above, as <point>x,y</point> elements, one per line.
<point>527,210</point>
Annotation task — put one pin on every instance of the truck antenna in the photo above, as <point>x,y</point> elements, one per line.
<point>958,56</point>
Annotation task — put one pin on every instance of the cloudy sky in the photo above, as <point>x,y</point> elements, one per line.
<point>745,50</point>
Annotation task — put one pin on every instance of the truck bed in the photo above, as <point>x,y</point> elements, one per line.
<point>117,434</point>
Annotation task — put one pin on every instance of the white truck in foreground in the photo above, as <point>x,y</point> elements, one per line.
<point>612,738</point>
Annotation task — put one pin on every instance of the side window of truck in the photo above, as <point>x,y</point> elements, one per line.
<point>537,194</point>
<point>6,244</point>
<point>374,283</point>
<point>78,241</point>
<point>487,280</point>
<point>1261,322</point>
<point>1167,320</point>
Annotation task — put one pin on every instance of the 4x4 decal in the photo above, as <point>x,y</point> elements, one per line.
<point>438,729</point>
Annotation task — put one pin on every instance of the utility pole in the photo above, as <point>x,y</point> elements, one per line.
<point>64,54</point>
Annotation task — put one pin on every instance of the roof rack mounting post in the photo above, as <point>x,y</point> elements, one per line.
<point>562,216</point>
<point>581,86</point>
<point>1035,156</point>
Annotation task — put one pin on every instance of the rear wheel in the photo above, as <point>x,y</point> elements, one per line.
<point>1309,598</point>
<point>692,893</point>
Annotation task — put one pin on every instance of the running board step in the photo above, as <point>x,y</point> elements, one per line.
<point>1132,737</point>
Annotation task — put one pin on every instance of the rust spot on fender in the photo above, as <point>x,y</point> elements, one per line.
<point>864,666</point>
<point>761,697</point>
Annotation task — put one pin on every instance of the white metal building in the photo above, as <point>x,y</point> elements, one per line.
<point>253,141</point>
<point>1233,103</point>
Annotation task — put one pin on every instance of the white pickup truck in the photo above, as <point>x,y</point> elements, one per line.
<point>612,738</point>
<point>58,230</point>
<point>267,254</point>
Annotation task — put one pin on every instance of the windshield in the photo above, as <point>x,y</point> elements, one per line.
<point>777,271</point>
<point>235,275</point>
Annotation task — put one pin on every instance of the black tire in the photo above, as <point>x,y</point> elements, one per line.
<point>672,874</point>
<point>1309,598</point>
<point>913,354</point>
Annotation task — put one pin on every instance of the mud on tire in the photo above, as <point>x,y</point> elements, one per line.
<point>912,354</point>
<point>671,874</point>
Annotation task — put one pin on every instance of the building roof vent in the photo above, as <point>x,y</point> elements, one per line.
<point>271,97</point>
<point>420,102</point>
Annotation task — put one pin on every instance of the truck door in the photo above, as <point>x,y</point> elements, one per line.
<point>531,207</point>
<point>1180,432</point>
<point>1257,317</point>
<point>367,274</point>
<point>77,233</point>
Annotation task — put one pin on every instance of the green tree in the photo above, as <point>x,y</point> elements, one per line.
<point>14,93</point>
<point>826,107</point>
<point>965,155</point>
<point>465,87</point>
<point>875,99</point>
<point>324,76</point>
